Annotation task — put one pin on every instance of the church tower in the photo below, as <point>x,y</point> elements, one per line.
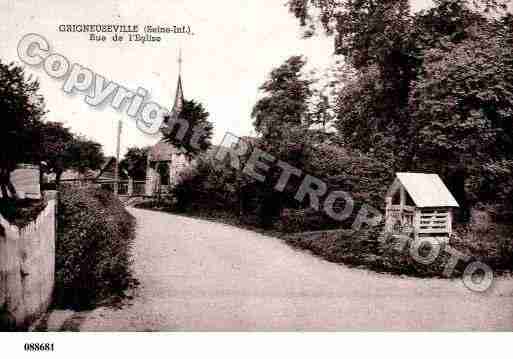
<point>165,161</point>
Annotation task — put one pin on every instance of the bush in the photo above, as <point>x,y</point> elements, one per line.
<point>489,243</point>
<point>368,249</point>
<point>217,186</point>
<point>308,219</point>
<point>365,178</point>
<point>94,240</point>
<point>208,184</point>
<point>165,204</point>
<point>492,188</point>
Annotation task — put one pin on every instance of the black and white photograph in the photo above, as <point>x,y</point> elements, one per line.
<point>272,167</point>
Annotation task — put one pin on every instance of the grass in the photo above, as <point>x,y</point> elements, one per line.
<point>367,249</point>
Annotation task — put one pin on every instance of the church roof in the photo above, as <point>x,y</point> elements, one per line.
<point>179,98</point>
<point>162,151</point>
<point>177,105</point>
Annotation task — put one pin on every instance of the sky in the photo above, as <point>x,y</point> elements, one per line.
<point>234,46</point>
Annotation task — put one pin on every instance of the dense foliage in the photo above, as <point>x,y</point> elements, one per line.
<point>193,132</point>
<point>427,91</point>
<point>463,110</point>
<point>213,185</point>
<point>22,110</point>
<point>26,138</point>
<point>366,249</point>
<point>62,150</point>
<point>285,101</point>
<point>135,162</point>
<point>55,142</point>
<point>85,154</point>
<point>94,240</point>
<point>365,178</point>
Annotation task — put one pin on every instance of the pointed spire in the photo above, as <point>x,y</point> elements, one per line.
<point>179,98</point>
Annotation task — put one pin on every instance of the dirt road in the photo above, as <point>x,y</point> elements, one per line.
<point>205,276</point>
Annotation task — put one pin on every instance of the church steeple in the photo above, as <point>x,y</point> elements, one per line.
<point>179,98</point>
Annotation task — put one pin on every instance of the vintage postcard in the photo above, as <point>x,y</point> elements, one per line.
<point>255,166</point>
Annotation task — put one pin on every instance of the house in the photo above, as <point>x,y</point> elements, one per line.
<point>419,204</point>
<point>106,176</point>
<point>73,176</point>
<point>108,170</point>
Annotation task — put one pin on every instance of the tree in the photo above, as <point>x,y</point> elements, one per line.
<point>346,17</point>
<point>22,109</point>
<point>135,162</point>
<point>429,88</point>
<point>385,44</point>
<point>56,141</point>
<point>282,117</point>
<point>85,154</point>
<point>197,137</point>
<point>61,150</point>
<point>463,106</point>
<point>285,104</point>
<point>377,40</point>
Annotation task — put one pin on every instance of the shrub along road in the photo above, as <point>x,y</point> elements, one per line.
<point>200,275</point>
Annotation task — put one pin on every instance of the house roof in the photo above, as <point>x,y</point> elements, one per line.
<point>107,172</point>
<point>71,175</point>
<point>427,189</point>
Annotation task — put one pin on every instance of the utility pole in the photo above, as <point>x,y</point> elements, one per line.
<point>116,167</point>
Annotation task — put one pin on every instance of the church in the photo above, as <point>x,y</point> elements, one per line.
<point>165,161</point>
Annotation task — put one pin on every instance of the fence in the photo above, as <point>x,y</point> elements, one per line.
<point>27,261</point>
<point>139,188</point>
<point>125,188</point>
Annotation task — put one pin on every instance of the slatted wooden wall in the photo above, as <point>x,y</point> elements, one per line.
<point>435,221</point>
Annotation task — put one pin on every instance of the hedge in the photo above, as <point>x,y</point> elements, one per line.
<point>94,241</point>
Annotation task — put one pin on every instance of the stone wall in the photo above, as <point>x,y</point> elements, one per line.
<point>27,265</point>
<point>179,165</point>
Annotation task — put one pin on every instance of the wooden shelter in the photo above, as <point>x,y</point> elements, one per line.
<point>419,204</point>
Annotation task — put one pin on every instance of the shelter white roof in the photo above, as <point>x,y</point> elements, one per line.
<point>427,189</point>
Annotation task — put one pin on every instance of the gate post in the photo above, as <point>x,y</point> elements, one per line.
<point>130,186</point>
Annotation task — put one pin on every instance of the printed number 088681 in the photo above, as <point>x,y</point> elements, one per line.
<point>39,347</point>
